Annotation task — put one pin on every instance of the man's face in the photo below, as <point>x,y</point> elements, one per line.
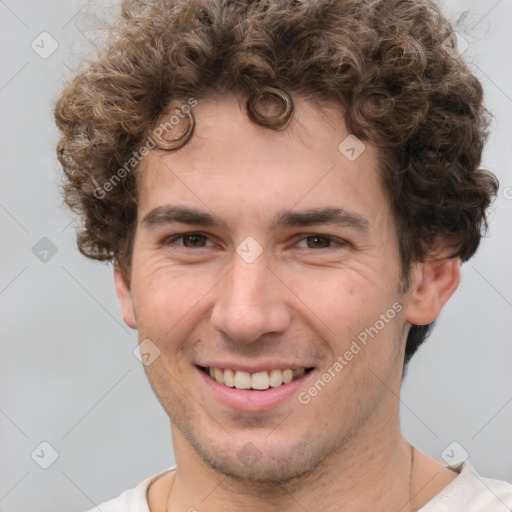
<point>211,299</point>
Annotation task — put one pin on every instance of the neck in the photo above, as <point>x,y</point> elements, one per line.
<point>361,475</point>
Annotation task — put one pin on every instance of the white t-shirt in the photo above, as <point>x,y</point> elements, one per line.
<point>468,492</point>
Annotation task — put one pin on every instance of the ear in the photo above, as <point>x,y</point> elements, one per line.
<point>124,295</point>
<point>434,282</point>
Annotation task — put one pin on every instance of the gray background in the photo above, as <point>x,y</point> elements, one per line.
<point>68,375</point>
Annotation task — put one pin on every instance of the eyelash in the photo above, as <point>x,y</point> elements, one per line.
<point>170,240</point>
<point>340,243</point>
<point>335,241</point>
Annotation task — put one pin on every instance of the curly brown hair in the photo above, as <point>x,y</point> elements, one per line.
<point>390,65</point>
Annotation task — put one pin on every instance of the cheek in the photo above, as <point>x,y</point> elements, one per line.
<point>166,298</point>
<point>345,306</point>
<point>341,298</point>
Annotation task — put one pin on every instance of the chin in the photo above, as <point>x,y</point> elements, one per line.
<point>260,461</point>
<point>268,469</point>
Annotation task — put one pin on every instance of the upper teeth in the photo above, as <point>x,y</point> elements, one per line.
<point>259,380</point>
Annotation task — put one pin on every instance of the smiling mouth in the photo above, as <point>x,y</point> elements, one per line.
<point>258,381</point>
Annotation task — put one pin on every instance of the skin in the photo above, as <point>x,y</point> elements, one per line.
<point>303,300</point>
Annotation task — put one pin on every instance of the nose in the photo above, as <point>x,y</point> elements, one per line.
<point>250,302</point>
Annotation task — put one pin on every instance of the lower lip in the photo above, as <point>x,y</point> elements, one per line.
<point>253,401</point>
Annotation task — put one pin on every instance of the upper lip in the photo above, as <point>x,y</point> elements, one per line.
<point>254,367</point>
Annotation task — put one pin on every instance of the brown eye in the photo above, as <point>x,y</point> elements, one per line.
<point>318,242</point>
<point>194,240</point>
<point>321,242</point>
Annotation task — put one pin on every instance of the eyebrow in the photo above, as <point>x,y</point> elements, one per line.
<point>286,218</point>
<point>313,216</point>
<point>181,215</point>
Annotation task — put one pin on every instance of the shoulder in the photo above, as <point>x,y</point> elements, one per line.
<point>470,492</point>
<point>131,500</point>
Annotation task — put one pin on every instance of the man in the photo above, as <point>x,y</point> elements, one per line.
<point>287,190</point>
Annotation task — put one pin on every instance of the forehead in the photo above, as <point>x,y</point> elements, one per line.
<point>233,166</point>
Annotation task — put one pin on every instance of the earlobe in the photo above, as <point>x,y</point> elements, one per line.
<point>124,296</point>
<point>436,282</point>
